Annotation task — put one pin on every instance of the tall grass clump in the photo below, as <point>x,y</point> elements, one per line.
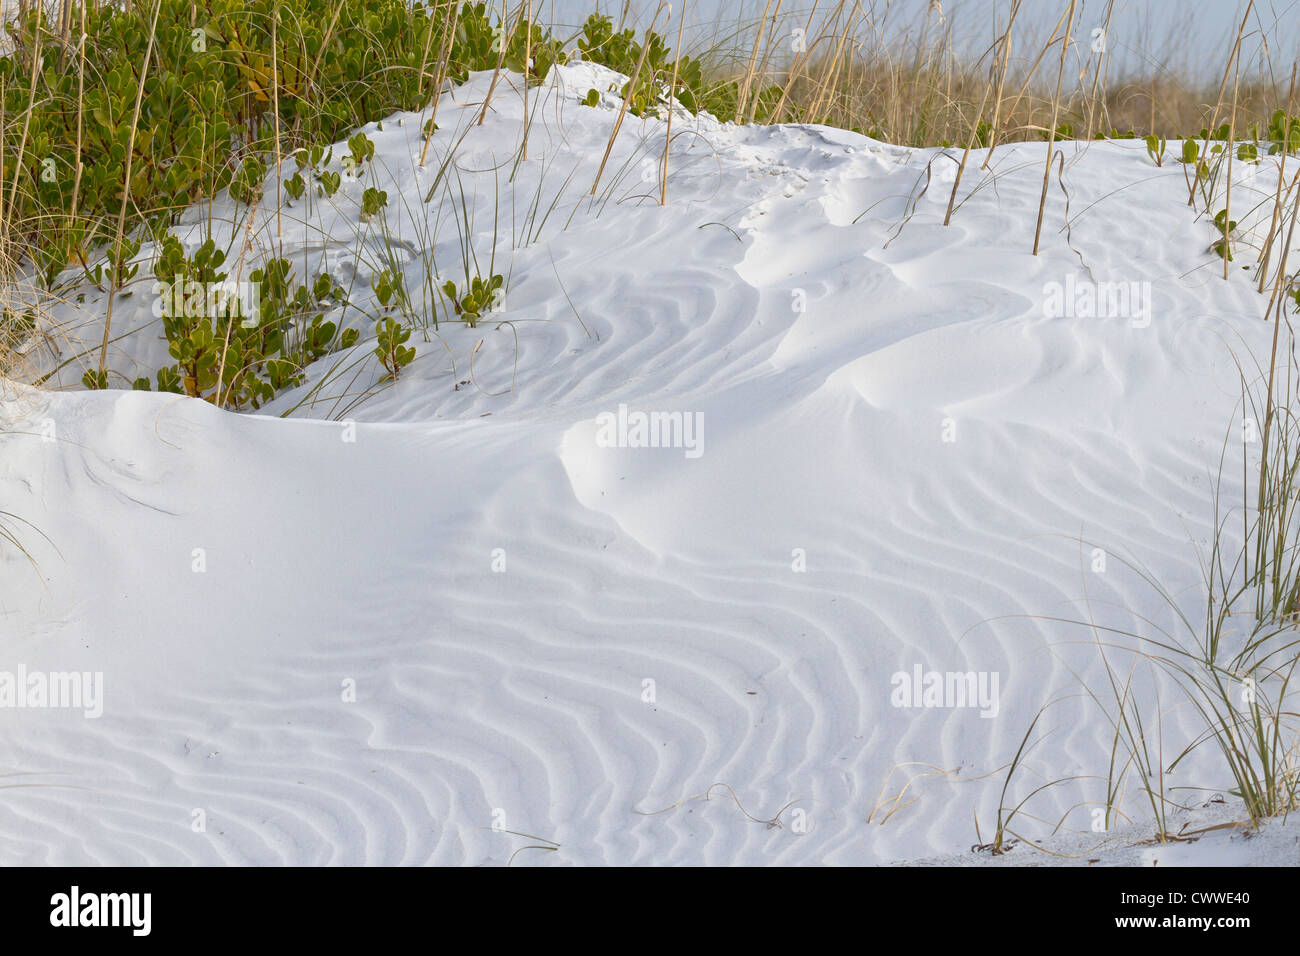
<point>1235,662</point>
<point>1231,656</point>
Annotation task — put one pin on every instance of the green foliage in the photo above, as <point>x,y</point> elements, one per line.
<point>1225,228</point>
<point>373,200</point>
<point>479,298</point>
<point>328,183</point>
<point>295,186</point>
<point>1191,157</point>
<point>360,149</point>
<point>15,324</point>
<point>1283,133</point>
<point>185,118</point>
<point>1156,148</point>
<point>1220,134</point>
<point>312,158</point>
<point>246,185</point>
<point>722,100</point>
<point>592,98</point>
<point>226,356</point>
<point>391,351</point>
<point>599,43</point>
<point>478,45</point>
<point>168,381</point>
<point>207,103</point>
<point>94,379</point>
<point>118,261</point>
<point>389,290</point>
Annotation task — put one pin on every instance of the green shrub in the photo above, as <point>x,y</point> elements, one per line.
<point>619,51</point>
<point>373,200</point>
<point>478,44</point>
<point>1283,133</point>
<point>246,184</point>
<point>206,105</point>
<point>1156,148</point>
<point>479,298</point>
<point>390,351</point>
<point>226,356</point>
<point>360,149</point>
<point>1225,228</point>
<point>389,290</point>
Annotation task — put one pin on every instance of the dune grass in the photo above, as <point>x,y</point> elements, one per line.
<point>1234,663</point>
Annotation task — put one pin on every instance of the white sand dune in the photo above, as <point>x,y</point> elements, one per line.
<point>882,398</point>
